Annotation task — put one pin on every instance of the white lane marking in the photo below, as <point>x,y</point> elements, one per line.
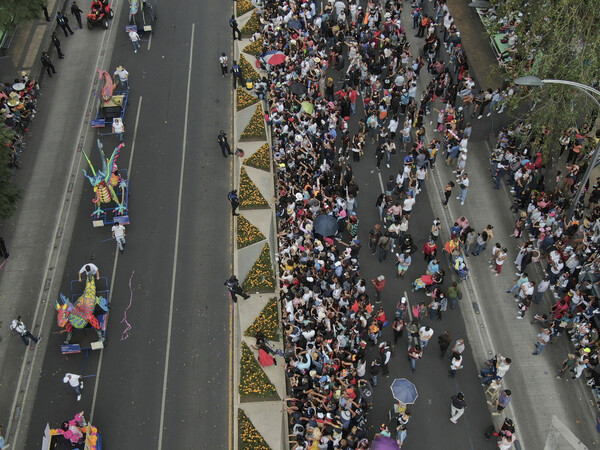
<point>114,270</point>
<point>176,246</point>
<point>380,182</point>
<point>150,41</point>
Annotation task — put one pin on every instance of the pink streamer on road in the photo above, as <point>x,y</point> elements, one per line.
<point>2,265</point>
<point>125,333</point>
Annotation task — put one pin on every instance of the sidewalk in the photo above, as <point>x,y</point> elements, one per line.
<point>32,38</point>
<point>265,415</point>
<point>548,413</point>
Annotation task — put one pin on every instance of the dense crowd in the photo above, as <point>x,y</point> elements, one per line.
<point>328,313</point>
<point>18,102</point>
<point>329,316</point>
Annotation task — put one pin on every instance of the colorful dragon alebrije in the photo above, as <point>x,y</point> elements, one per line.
<point>81,313</point>
<point>105,180</point>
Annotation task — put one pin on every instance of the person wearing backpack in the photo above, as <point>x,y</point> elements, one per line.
<point>223,63</point>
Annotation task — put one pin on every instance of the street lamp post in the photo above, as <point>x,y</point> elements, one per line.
<point>588,91</point>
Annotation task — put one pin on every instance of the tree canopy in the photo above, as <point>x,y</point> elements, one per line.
<point>15,11</point>
<point>9,193</point>
<point>557,39</point>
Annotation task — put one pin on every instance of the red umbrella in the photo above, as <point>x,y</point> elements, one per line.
<point>275,58</point>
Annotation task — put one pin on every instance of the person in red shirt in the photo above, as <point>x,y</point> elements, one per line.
<point>430,250</point>
<point>379,284</point>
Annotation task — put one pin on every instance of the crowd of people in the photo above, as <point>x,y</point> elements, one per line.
<point>569,245</point>
<point>17,102</point>
<point>328,314</point>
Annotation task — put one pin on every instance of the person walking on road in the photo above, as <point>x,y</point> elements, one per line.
<point>375,368</point>
<point>64,23</point>
<point>56,43</point>
<point>234,27</point>
<point>374,236</point>
<point>77,12</point>
<point>501,402</point>
<point>444,342</point>
<point>3,251</point>
<point>543,338</point>
<point>379,284</point>
<point>234,288</point>
<point>499,261</point>
<point>224,64</point>
<point>384,244</point>
<point>135,40</point>
<point>506,441</point>
<point>414,353</point>
<point>236,71</point>
<point>385,352</point>
<point>234,201</point>
<point>459,347</point>
<point>122,75</point>
<point>75,382</point>
<point>118,128</point>
<point>47,63</point>
<point>17,326</point>
<point>90,270</point>
<point>118,233</point>
<point>447,193</point>
<point>457,406</point>
<point>3,443</point>
<point>225,149</point>
<point>464,188</point>
<point>455,365</point>
<point>425,335</point>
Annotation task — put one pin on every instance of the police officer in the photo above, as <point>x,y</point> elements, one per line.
<point>234,27</point>
<point>64,23</point>
<point>77,12</point>
<point>236,70</point>
<point>56,43</point>
<point>225,149</point>
<point>234,201</point>
<point>47,64</point>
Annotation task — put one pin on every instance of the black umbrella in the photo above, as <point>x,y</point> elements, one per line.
<point>295,24</point>
<point>325,225</point>
<point>298,89</point>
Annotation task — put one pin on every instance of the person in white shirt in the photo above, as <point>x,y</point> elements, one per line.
<point>75,382</point>
<point>118,233</point>
<point>19,327</point>
<point>90,270</point>
<point>464,188</point>
<point>135,40</point>
<point>223,62</point>
<point>425,334</point>
<point>407,206</point>
<point>122,75</point>
<point>118,128</point>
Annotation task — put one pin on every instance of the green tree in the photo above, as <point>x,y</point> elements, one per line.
<point>15,11</point>
<point>557,39</point>
<point>9,193</point>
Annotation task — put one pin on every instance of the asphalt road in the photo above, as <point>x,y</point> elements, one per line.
<point>431,377</point>
<point>166,384</point>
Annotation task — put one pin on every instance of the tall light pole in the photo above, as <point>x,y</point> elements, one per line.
<point>588,91</point>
